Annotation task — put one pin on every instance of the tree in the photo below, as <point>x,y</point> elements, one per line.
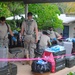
<point>4,10</point>
<point>67,7</point>
<point>16,8</point>
<point>47,15</point>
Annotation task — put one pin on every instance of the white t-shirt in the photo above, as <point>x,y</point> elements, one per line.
<point>44,40</point>
<point>39,35</point>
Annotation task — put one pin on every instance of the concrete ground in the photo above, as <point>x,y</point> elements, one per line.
<point>26,70</point>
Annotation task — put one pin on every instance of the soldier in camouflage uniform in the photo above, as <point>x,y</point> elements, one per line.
<point>4,28</point>
<point>30,31</point>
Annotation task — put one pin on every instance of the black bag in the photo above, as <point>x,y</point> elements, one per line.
<point>10,69</point>
<point>73,51</point>
<point>41,68</point>
<point>70,61</point>
<point>39,52</point>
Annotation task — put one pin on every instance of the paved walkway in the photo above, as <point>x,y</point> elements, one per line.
<point>26,70</point>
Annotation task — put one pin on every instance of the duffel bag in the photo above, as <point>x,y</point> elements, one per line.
<point>40,66</point>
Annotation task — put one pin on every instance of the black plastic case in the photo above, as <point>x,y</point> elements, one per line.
<point>11,69</point>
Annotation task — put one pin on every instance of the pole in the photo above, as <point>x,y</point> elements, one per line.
<point>26,10</point>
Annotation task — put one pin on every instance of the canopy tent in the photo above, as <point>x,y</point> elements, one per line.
<point>39,1</point>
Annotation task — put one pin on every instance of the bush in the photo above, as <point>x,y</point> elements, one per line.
<point>15,24</point>
<point>71,73</point>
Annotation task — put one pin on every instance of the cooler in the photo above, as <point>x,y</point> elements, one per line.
<point>68,47</point>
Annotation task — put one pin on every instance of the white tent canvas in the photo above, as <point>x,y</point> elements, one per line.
<point>66,19</point>
<point>17,17</point>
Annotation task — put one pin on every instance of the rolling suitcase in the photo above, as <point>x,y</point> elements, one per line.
<point>70,61</point>
<point>60,64</point>
<point>60,61</point>
<point>60,67</point>
<point>10,69</point>
<point>57,50</point>
<point>63,52</point>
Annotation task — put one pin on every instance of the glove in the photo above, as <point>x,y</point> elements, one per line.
<point>73,40</point>
<point>14,39</point>
<point>54,39</point>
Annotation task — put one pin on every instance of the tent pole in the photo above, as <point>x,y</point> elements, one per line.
<point>26,10</point>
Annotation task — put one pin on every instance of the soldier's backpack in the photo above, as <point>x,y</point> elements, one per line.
<point>28,26</point>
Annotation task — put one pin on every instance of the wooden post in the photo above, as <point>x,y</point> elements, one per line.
<point>26,10</point>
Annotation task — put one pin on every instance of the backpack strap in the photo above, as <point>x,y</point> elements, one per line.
<point>55,34</point>
<point>7,27</point>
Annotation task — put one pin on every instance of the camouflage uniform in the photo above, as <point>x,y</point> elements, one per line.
<point>3,36</point>
<point>29,39</point>
<point>53,34</point>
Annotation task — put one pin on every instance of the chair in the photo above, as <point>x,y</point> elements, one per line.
<point>15,52</point>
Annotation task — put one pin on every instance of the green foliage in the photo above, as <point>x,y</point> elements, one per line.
<point>47,15</point>
<point>71,73</point>
<point>4,10</point>
<point>67,7</point>
<point>14,24</point>
<point>16,8</point>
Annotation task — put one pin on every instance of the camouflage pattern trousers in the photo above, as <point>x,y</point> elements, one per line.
<point>4,46</point>
<point>29,45</point>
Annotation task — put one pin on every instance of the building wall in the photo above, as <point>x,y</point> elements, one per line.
<point>59,30</point>
<point>71,29</point>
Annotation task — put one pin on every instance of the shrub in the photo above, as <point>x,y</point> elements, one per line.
<point>71,73</point>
